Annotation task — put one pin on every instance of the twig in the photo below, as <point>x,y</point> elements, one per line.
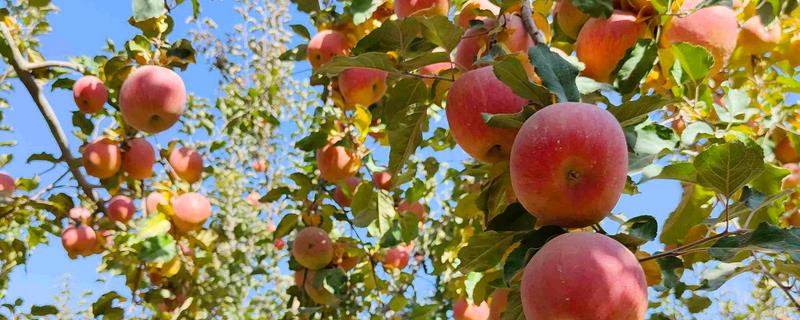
<point>779,284</point>
<point>679,250</point>
<point>425,76</point>
<point>530,26</point>
<point>51,64</point>
<point>19,64</point>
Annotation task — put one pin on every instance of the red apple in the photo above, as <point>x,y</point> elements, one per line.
<point>121,208</point>
<point>757,39</point>
<point>304,279</point>
<point>312,248</point>
<point>325,45</point>
<point>102,158</point>
<point>90,94</point>
<point>191,211</point>
<point>186,163</point>
<point>428,8</point>
<point>463,310</point>
<point>362,86</point>
<point>153,200</point>
<point>785,152</point>
<point>570,19</point>
<point>714,28</point>
<point>152,99</point>
<point>382,180</point>
<point>414,208</point>
<point>396,257</point>
<point>80,214</point>
<point>337,163</point>
<point>474,44</point>
<point>498,303</point>
<point>79,240</point>
<point>344,191</point>
<point>7,185</point>
<point>259,165</point>
<point>279,243</point>
<point>793,179</point>
<point>602,43</point>
<point>138,160</point>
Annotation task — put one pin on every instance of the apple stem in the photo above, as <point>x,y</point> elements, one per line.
<point>530,25</point>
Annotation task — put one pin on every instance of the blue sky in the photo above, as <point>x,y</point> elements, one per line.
<point>82,28</point>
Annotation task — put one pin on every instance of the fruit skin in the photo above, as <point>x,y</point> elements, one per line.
<point>342,258</point>
<point>602,43</point>
<point>468,12</point>
<point>427,8</point>
<point>584,275</point>
<point>714,28</point>
<point>186,163</point>
<point>259,165</point>
<point>396,257</point>
<point>362,86</point>
<point>434,69</point>
<point>756,39</point>
<point>343,197</point>
<point>279,243</point>
<point>7,185</point>
<point>382,180</point>
<point>191,211</point>
<point>312,248</point>
<point>793,219</point>
<point>570,18</point>
<point>253,198</point>
<point>102,158</point>
<point>569,164</point>
<point>139,159</point>
<point>415,208</point>
<point>121,208</point>
<point>336,163</point>
<point>90,94</point>
<point>152,99</point>
<point>80,214</point>
<point>793,179</point>
<point>498,303</point>
<point>462,310</point>
<point>305,279</point>
<point>476,92</point>
<point>153,200</point>
<point>79,240</point>
<point>474,43</point>
<point>325,45</point>
<point>516,38</point>
<point>785,152</point>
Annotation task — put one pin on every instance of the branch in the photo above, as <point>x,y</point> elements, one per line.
<point>19,64</point>
<point>779,284</point>
<point>424,76</point>
<point>51,64</point>
<point>530,26</point>
<point>679,250</point>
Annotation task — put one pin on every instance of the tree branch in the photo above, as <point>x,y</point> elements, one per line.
<point>530,26</point>
<point>52,64</point>
<point>20,65</point>
<point>679,250</point>
<point>779,284</point>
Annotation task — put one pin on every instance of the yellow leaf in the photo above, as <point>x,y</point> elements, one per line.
<point>362,118</point>
<point>652,272</point>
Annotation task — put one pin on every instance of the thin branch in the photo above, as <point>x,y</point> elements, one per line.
<point>680,250</point>
<point>424,76</point>
<point>779,284</point>
<point>530,26</point>
<point>53,64</point>
<point>19,64</point>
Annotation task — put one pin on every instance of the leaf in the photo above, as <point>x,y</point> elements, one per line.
<point>161,248</point>
<point>388,37</point>
<point>651,138</point>
<point>695,129</point>
<point>681,171</point>
<point>714,278</point>
<point>104,303</point>
<point>146,9</point>
<point>151,226</point>
<point>62,83</point>
<point>405,135</point>
<point>557,74</point>
<point>727,167</point>
<point>362,9</point>
<point>632,112</point>
<point>695,61</point>
<point>643,227</point>
<point>697,303</point>
<point>668,266</point>
<point>765,238</point>
<point>509,120</point>
<point>404,93</point>
<point>513,218</point>
<point>372,60</point>
<point>372,209</point>
<point>426,59</point>
<point>275,194</point>
<point>770,179</point>
<point>530,243</point>
<point>514,307</point>
<point>297,53</point>
<point>43,310</point>
<point>362,119</point>
<point>695,206</point>
<point>467,206</point>
<point>313,141</point>
<point>43,156</point>
<point>79,120</point>
<point>307,6</point>
<point>181,53</point>
<point>511,73</point>
<point>288,222</point>
<point>734,107</point>
<point>442,32</point>
<point>301,30</point>
<point>409,227</point>
<point>638,61</point>
<point>595,8</point>
<point>484,250</point>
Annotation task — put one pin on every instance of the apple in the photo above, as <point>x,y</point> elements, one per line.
<point>793,179</point>
<point>382,180</point>
<point>463,310</point>
<point>151,99</point>
<point>102,158</point>
<point>714,28</point>
<point>342,258</point>
<point>570,19</point>
<point>80,214</point>
<point>279,243</point>
<point>427,8</point>
<point>476,92</point>
<point>344,191</point>
<point>498,303</point>
<point>337,163</point>
<point>793,219</point>
<point>259,165</point>
<point>90,94</point>
<point>602,43</point>
<point>757,39</point>
<point>191,211</point>
<point>186,163</point>
<point>7,185</point>
<point>414,208</point>
<point>138,159</point>
<point>153,200</point>
<point>325,45</point>
<point>304,279</point>
<point>79,240</point>
<point>396,257</point>
<point>474,44</point>
<point>569,164</point>
<point>120,208</point>
<point>362,86</point>
<point>471,11</point>
<point>785,152</point>
<point>584,275</point>
<point>312,248</point>
<point>514,36</point>
<point>253,198</point>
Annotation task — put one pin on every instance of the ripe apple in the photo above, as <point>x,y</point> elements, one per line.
<point>427,8</point>
<point>186,163</point>
<point>90,94</point>
<point>382,180</point>
<point>785,152</point>
<point>584,275</point>
<point>253,198</point>
<point>474,44</point>
<point>138,159</point>
<point>7,185</point>
<point>714,28</point>
<point>602,43</point>
<point>570,19</point>
<point>80,214</point>
<point>304,279</point>
<point>79,240</point>
<point>153,200</point>
<point>312,248</point>
<point>793,219</point>
<point>152,99</point>
<point>471,9</point>
<point>342,258</point>
<point>476,92</point>
<point>569,164</point>
<point>396,257</point>
<point>414,208</point>
<point>498,303</point>
<point>757,39</point>
<point>344,191</point>
<point>362,86</point>
<point>463,310</point>
<point>120,208</point>
<point>259,165</point>
<point>337,163</point>
<point>514,36</point>
<point>793,179</point>
<point>102,158</point>
<point>279,243</point>
<point>191,211</point>
<point>325,45</point>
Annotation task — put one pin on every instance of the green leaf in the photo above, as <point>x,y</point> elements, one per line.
<point>62,83</point>
<point>681,171</point>
<point>81,121</point>
<point>695,130</point>
<point>146,9</point>
<point>736,103</point>
<point>372,208</point>
<point>643,227</point>
<point>104,303</point>
<point>467,206</point>
<point>405,135</point>
<point>180,54</point>
<point>765,238</point>
<point>511,72</point>
<point>313,141</point>
<point>484,250</point>
<point>651,138</point>
<point>426,59</point>
<point>43,156</point>
<point>697,303</point>
<point>297,53</point>
<point>409,227</point>
<point>514,307</point>
<point>727,167</point>
<point>669,274</point>
<point>43,310</point>
<point>288,222</point>
<point>695,61</point>
<point>442,32</point>
<point>770,179</point>
<point>301,30</point>
<point>695,206</point>
<point>161,248</point>
<point>632,112</point>
<point>513,218</point>
<point>153,225</point>
<point>275,194</point>
<point>557,74</point>
<point>714,278</point>
<point>388,37</point>
<point>509,120</point>
<point>638,61</point>
<point>595,8</point>
<point>307,6</point>
<point>372,60</point>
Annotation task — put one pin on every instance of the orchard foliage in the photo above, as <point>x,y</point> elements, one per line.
<point>359,211</point>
